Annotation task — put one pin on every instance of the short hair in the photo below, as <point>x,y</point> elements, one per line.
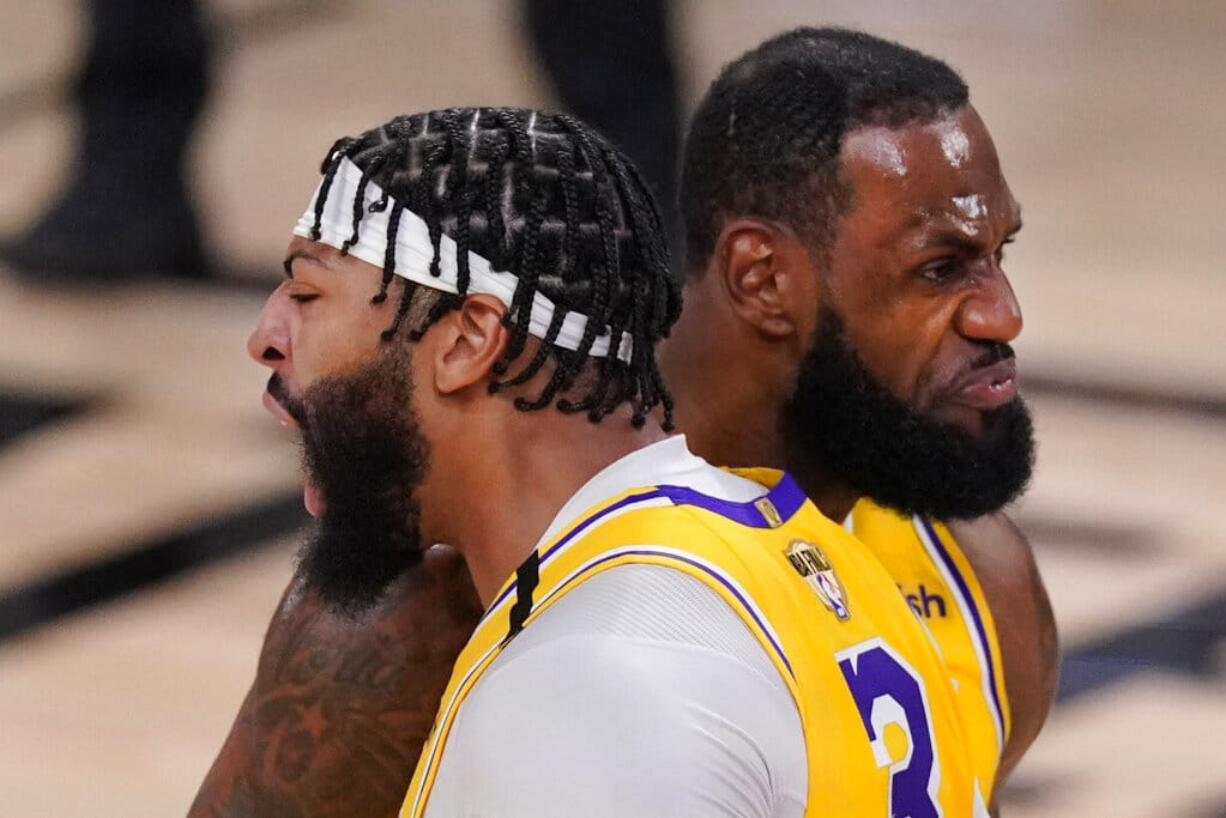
<point>544,197</point>
<point>766,137</point>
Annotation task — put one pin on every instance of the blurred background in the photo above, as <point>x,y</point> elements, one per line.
<point>150,509</point>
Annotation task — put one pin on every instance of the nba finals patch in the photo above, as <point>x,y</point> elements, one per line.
<point>811,563</point>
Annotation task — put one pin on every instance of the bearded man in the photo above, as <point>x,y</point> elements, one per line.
<point>848,317</point>
<point>464,337</point>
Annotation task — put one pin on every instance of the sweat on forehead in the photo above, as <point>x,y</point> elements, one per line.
<point>947,168</point>
<point>537,209</point>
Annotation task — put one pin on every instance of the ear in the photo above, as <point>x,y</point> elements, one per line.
<point>767,274</point>
<point>467,342</point>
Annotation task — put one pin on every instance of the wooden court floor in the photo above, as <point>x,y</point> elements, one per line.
<point>149,510</point>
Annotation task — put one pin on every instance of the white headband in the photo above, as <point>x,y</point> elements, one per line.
<point>414,252</point>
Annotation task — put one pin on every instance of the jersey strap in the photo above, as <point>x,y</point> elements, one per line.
<point>959,576</point>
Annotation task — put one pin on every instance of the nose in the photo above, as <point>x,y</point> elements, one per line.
<point>269,343</point>
<point>991,312</point>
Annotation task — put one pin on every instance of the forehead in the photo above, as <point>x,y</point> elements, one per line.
<point>944,169</point>
<point>323,258</point>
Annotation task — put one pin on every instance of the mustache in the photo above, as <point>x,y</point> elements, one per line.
<point>995,352</point>
<point>295,407</point>
<point>991,353</point>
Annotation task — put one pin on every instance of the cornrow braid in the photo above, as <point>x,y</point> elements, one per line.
<point>393,228</point>
<point>610,267</point>
<point>329,167</point>
<point>457,190</point>
<point>570,202</point>
<point>547,199</point>
<point>521,303</point>
<point>534,366</point>
<point>426,203</point>
<point>359,200</point>
<point>495,179</point>
<point>650,307</point>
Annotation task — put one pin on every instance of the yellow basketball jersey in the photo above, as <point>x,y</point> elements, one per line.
<point>883,733</point>
<point>939,584</point>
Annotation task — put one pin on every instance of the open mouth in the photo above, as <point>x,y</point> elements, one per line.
<point>284,407</point>
<point>312,495</point>
<point>278,411</point>
<point>988,387</point>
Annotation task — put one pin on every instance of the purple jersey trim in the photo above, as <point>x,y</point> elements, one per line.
<point>975,616</point>
<point>579,529</point>
<point>786,497</point>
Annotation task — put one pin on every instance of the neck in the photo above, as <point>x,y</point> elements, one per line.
<point>496,509</point>
<point>729,396</point>
<point>832,497</point>
<point>724,402</point>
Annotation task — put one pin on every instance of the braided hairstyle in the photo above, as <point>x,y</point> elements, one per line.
<point>546,198</point>
<point>765,138</point>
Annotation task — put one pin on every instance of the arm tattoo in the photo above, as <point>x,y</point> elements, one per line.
<point>340,709</point>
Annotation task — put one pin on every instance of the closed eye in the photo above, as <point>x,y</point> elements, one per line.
<point>304,298</point>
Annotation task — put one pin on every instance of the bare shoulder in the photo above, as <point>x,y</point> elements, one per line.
<point>1005,566</point>
<point>340,708</point>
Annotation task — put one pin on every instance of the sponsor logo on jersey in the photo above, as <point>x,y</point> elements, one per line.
<point>924,604</point>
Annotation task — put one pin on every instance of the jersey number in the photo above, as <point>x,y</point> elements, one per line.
<point>888,691</point>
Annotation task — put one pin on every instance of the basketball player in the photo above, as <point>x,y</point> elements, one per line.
<point>848,318</point>
<point>375,682</point>
<point>465,338</point>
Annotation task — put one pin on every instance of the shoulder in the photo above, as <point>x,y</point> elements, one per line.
<point>433,604</point>
<point>637,673</point>
<point>1004,564</point>
<point>336,697</point>
<point>643,629</point>
<point>997,550</point>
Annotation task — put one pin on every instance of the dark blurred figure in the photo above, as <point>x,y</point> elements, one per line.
<point>126,210</point>
<point>611,64</point>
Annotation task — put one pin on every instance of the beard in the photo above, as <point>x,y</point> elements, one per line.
<point>363,449</point>
<point>841,424</point>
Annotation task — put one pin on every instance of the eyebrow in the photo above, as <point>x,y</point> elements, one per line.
<point>952,238</point>
<point>958,239</point>
<point>288,264</point>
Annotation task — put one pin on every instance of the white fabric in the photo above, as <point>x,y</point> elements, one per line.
<point>414,252</point>
<point>640,693</point>
<point>668,462</point>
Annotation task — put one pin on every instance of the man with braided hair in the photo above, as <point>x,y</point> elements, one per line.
<point>465,337</point>
<point>660,637</point>
<point>468,217</point>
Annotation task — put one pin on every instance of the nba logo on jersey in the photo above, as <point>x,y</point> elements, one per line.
<point>811,563</point>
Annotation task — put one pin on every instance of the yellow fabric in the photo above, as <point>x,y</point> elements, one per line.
<point>926,577</point>
<point>780,607</point>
